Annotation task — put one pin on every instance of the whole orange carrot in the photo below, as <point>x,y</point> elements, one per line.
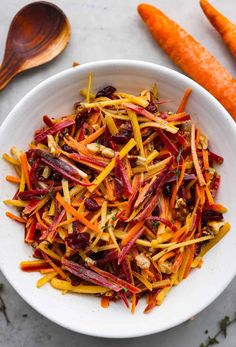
<point>225,28</point>
<point>191,56</point>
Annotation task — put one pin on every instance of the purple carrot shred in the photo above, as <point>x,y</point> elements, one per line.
<point>89,275</point>
<point>42,135</point>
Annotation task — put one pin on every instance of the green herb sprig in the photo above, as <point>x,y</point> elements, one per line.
<point>223,324</point>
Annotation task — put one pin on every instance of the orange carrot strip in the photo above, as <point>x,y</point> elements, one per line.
<point>55,267</point>
<point>16,218</point>
<point>177,263</point>
<point>219,208</point>
<point>177,186</point>
<point>184,100</point>
<point>195,158</point>
<point>25,167</point>
<point>13,179</point>
<point>94,136</point>
<point>165,257</point>
<point>134,302</point>
<point>109,190</point>
<point>209,196</point>
<point>179,233</point>
<point>205,158</point>
<point>105,302</point>
<point>200,65</point>
<point>76,214</point>
<point>131,233</point>
<point>190,260</point>
<point>222,24</point>
<point>40,220</point>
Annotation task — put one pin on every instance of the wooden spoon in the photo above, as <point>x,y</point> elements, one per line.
<point>38,33</point>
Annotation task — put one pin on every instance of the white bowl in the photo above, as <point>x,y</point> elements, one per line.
<point>81,313</point>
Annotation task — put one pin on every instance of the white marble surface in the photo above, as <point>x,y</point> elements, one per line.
<point>109,29</point>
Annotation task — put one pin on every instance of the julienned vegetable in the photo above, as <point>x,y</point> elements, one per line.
<point>118,199</point>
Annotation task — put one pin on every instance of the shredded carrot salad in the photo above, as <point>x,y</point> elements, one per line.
<point>117,199</point>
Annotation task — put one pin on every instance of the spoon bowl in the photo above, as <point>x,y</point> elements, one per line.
<point>38,33</point>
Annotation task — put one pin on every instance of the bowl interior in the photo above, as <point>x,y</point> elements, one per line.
<point>81,313</point>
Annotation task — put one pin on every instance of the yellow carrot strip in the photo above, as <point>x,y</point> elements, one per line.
<point>66,193</point>
<point>45,279</point>
<point>49,252</point>
<point>161,284</point>
<point>66,286</point>
<point>46,271</point>
<point>136,130</point>
<point>206,247</point>
<point>46,172</point>
<point>156,168</point>
<point>133,231</point>
<point>150,138</point>
<point>68,221</point>
<point>25,168</point>
<point>111,124</point>
<point>151,156</point>
<point>89,88</point>
<point>161,125</point>
<point>181,244</point>
<point>140,100</point>
<point>76,214</point>
<point>56,268</point>
<point>94,136</point>
<point>12,179</point>
<point>184,264</point>
<point>209,196</point>
<point>195,157</point>
<point>10,160</point>
<point>98,180</point>
<point>102,223</point>
<point>143,243</point>
<point>83,92</point>
<point>142,280</point>
<point>51,211</point>
<point>136,100</point>
<point>184,100</point>
<point>112,235</point>
<point>16,218</point>
<point>16,203</point>
<point>163,293</point>
<point>42,203</point>
<point>106,248</point>
<point>22,181</point>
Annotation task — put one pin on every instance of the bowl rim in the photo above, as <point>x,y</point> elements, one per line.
<point>121,63</point>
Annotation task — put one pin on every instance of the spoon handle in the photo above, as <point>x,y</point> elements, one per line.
<point>9,68</point>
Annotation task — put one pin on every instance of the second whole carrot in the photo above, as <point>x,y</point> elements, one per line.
<point>191,56</point>
<point>222,24</point>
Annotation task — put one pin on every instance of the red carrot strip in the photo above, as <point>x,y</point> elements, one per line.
<point>42,135</point>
